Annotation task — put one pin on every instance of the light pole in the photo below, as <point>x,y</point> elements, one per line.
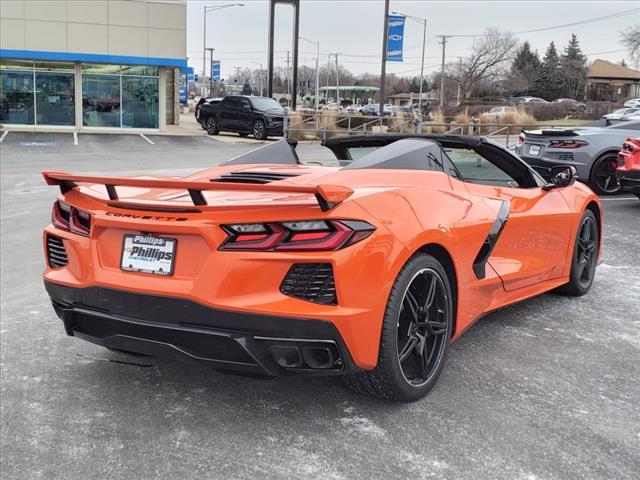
<point>210,50</point>
<point>423,21</point>
<point>316,101</point>
<point>261,90</point>
<point>204,34</point>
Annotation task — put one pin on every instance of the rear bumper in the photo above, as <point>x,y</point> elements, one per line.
<point>629,180</point>
<point>226,340</point>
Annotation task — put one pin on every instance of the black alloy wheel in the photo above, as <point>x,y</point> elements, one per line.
<point>422,327</point>
<point>211,126</point>
<point>587,251</point>
<point>585,257</point>
<point>259,130</point>
<point>603,177</point>
<point>415,336</point>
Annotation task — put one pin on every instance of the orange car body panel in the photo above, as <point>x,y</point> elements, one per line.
<point>410,209</point>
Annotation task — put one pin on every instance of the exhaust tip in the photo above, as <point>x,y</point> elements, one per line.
<point>318,357</point>
<point>287,357</point>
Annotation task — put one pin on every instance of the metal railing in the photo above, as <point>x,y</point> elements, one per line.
<point>319,127</point>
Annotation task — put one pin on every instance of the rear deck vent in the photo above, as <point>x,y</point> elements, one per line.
<point>253,177</point>
<point>312,282</point>
<point>56,253</point>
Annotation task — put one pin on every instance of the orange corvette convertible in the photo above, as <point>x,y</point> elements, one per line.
<point>368,267</point>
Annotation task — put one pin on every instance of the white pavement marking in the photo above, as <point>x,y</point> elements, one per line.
<point>4,135</point>
<point>617,199</point>
<point>147,139</point>
<point>75,138</point>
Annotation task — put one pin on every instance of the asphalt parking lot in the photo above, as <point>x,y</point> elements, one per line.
<point>546,389</point>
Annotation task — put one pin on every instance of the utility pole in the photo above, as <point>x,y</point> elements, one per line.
<point>317,98</point>
<point>459,80</point>
<point>328,74</point>
<point>383,68</point>
<point>288,82</point>
<point>210,50</point>
<point>444,45</point>
<point>337,82</point>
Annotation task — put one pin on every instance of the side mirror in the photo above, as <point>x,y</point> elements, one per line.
<point>562,176</point>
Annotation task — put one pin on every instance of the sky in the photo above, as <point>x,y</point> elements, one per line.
<point>353,28</point>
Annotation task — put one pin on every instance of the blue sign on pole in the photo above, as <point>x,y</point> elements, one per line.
<point>215,70</point>
<point>395,37</point>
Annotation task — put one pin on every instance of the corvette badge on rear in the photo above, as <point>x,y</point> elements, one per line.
<point>148,254</point>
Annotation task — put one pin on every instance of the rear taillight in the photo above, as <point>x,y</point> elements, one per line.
<point>308,235</point>
<point>521,139</point>
<point>66,217</point>
<point>566,144</point>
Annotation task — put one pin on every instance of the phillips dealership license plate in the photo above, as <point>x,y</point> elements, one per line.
<point>148,254</point>
<point>534,150</point>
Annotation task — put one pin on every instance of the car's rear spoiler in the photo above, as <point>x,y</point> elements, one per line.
<point>328,196</point>
<point>567,132</point>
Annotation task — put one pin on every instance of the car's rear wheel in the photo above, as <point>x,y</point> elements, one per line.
<point>603,179</point>
<point>212,126</point>
<point>259,130</point>
<point>415,334</point>
<point>585,256</point>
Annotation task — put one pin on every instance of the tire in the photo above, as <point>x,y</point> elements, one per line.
<point>603,180</point>
<point>406,380</point>
<point>211,125</point>
<point>585,255</point>
<point>259,130</point>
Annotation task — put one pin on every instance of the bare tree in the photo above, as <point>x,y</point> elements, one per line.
<point>488,61</point>
<point>631,41</point>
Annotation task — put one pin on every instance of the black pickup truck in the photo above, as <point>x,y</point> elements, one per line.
<point>257,116</point>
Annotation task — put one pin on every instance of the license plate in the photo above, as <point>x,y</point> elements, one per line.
<point>148,254</point>
<point>534,150</point>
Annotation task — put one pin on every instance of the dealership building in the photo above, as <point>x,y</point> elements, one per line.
<point>91,64</point>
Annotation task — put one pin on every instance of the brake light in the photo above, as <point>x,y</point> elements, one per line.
<point>566,143</point>
<point>312,235</point>
<point>521,139</point>
<point>71,219</point>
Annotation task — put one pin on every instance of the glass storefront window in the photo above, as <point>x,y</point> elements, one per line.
<point>140,102</point>
<point>100,100</point>
<point>16,95</point>
<point>10,64</point>
<point>55,66</point>
<point>55,98</point>
<point>43,93</point>
<point>140,70</point>
<point>100,68</point>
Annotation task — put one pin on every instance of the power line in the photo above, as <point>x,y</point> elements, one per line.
<point>555,27</point>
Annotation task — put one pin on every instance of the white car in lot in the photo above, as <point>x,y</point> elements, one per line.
<point>495,113</point>
<point>632,103</point>
<point>621,113</point>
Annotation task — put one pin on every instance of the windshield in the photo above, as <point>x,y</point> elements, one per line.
<point>262,103</point>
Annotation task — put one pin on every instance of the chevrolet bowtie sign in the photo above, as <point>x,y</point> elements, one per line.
<point>395,35</point>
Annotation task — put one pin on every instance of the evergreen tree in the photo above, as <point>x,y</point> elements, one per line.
<point>551,86</point>
<point>525,71</point>
<point>573,65</point>
<point>246,88</point>
<point>414,86</point>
